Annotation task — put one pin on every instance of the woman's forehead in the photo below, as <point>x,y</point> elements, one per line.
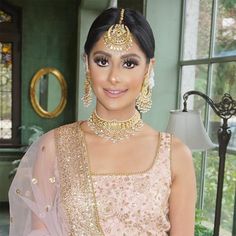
<point>101,46</point>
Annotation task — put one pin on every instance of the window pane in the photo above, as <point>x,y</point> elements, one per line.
<point>197,29</point>
<point>223,81</point>
<point>5,91</point>
<point>228,194</point>
<point>4,17</point>
<point>225,41</point>
<point>5,122</point>
<point>194,78</point>
<point>197,159</point>
<point>211,176</point>
<point>210,187</point>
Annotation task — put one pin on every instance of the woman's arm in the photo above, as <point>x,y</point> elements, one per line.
<point>183,191</point>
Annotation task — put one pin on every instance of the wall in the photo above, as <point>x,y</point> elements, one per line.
<point>85,19</point>
<point>6,167</point>
<point>165,21</point>
<point>49,38</point>
<point>164,18</point>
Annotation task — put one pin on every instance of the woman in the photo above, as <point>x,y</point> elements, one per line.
<point>112,174</point>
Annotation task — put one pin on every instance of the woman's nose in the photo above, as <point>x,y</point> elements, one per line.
<point>114,76</point>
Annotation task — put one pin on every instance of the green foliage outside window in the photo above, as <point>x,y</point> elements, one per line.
<point>208,212</point>
<point>200,229</point>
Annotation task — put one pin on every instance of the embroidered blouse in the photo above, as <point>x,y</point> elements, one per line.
<point>54,193</point>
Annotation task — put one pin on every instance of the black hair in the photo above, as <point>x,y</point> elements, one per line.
<point>135,21</point>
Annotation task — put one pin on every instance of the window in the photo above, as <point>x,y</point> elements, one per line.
<point>208,64</point>
<point>10,37</point>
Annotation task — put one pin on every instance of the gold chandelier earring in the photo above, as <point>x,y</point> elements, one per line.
<point>144,100</point>
<point>87,98</point>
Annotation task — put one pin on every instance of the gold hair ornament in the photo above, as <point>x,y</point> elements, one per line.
<point>118,36</point>
<point>114,130</point>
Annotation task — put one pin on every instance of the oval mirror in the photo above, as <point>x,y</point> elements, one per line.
<point>48,92</point>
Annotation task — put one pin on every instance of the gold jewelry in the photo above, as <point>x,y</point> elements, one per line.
<point>118,36</point>
<point>87,98</point>
<point>144,100</point>
<point>114,130</point>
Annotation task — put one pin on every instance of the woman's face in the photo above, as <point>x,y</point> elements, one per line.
<point>117,77</point>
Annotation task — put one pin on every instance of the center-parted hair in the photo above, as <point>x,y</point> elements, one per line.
<point>135,21</point>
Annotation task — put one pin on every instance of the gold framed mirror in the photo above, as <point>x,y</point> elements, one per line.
<point>48,92</point>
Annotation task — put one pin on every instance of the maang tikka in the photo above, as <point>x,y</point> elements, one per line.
<point>144,100</point>
<point>118,36</point>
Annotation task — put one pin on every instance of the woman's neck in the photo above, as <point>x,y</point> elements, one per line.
<point>119,115</point>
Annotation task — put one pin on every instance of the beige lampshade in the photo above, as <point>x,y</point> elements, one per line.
<point>188,127</point>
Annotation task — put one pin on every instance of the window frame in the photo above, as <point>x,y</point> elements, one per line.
<point>209,61</point>
<point>11,32</point>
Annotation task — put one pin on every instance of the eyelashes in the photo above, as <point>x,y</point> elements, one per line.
<point>128,63</point>
<point>101,61</point>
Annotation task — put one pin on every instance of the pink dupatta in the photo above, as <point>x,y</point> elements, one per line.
<point>52,193</point>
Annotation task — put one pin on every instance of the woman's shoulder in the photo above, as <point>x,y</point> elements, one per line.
<point>68,126</point>
<point>48,138</point>
<point>181,157</point>
<point>149,130</point>
<point>179,149</point>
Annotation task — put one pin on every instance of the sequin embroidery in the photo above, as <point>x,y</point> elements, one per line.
<point>136,204</point>
<point>77,193</point>
<point>131,205</point>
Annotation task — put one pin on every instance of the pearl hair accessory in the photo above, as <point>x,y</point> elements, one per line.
<point>151,79</point>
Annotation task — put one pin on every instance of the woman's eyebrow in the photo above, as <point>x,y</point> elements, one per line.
<point>122,57</point>
<point>130,55</point>
<point>102,52</point>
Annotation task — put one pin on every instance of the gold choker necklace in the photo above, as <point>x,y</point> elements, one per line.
<point>114,130</point>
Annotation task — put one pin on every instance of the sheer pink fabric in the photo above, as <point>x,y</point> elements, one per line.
<point>34,193</point>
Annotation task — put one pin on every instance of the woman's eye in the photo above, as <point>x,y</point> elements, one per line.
<point>101,61</point>
<point>129,64</point>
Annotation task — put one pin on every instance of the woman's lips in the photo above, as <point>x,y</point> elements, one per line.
<point>114,93</point>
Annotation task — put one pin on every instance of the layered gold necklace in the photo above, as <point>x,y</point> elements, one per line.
<point>114,130</point>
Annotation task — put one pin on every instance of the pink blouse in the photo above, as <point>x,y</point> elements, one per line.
<point>137,203</point>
